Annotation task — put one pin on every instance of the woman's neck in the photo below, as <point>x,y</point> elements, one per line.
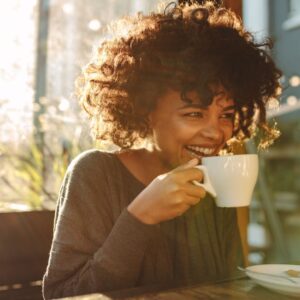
<point>144,164</point>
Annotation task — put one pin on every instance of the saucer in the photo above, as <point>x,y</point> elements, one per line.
<point>274,277</point>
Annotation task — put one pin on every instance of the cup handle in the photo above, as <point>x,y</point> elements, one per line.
<point>206,181</point>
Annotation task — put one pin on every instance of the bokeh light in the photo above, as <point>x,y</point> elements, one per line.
<point>292,100</point>
<point>68,8</point>
<point>295,81</point>
<point>94,25</point>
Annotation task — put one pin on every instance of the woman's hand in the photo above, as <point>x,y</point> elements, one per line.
<point>168,195</point>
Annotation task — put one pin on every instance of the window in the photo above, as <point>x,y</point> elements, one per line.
<point>294,7</point>
<point>293,20</point>
<point>37,92</point>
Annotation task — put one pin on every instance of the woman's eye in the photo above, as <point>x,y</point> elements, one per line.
<point>228,116</point>
<point>194,114</point>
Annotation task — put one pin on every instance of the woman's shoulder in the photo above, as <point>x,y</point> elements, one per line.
<point>92,159</point>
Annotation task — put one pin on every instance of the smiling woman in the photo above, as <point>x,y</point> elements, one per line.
<point>185,81</point>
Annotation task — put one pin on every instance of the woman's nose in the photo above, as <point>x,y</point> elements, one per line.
<point>212,130</point>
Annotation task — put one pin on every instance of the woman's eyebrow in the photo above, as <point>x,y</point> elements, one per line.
<point>192,105</point>
<point>230,107</point>
<point>198,105</point>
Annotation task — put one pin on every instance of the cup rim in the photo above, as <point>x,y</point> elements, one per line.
<point>230,155</point>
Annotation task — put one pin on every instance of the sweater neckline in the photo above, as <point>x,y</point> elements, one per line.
<point>125,169</point>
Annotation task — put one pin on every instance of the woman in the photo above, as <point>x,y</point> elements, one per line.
<point>168,89</point>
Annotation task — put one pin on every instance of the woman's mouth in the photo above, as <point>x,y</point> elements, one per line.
<point>197,151</point>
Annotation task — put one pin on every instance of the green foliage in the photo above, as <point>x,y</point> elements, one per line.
<point>30,169</point>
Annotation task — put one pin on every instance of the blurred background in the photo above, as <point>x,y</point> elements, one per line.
<point>44,45</point>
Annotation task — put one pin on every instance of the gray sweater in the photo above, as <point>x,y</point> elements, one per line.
<point>99,246</point>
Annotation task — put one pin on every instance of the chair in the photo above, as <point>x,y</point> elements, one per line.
<point>25,240</point>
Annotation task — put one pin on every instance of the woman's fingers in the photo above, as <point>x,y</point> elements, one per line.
<point>194,190</point>
<point>186,175</point>
<point>190,164</point>
<point>181,209</point>
<point>190,200</point>
<point>169,195</point>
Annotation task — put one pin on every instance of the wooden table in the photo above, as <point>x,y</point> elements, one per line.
<point>237,289</point>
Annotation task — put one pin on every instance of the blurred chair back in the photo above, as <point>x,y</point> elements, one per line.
<point>25,239</point>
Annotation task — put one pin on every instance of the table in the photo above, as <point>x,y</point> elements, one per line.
<point>240,288</point>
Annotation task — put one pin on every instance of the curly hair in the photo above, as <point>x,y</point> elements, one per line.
<point>186,47</point>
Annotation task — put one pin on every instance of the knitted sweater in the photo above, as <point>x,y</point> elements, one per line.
<point>99,246</point>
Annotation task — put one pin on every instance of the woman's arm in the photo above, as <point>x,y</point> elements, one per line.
<point>91,253</point>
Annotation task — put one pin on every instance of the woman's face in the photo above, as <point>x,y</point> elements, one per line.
<point>184,130</point>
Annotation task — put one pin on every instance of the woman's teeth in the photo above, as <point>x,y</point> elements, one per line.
<point>200,151</point>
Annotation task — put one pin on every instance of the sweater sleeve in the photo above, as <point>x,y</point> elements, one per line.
<point>92,252</point>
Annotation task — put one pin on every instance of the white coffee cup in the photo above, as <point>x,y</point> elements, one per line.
<point>230,179</point>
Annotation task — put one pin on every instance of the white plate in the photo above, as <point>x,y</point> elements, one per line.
<point>259,274</point>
